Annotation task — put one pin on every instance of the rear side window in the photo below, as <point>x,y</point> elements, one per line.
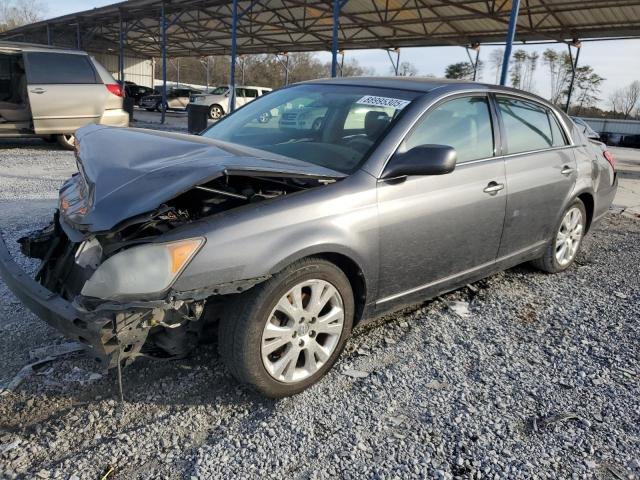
<point>59,68</point>
<point>250,92</point>
<point>463,123</point>
<point>529,126</point>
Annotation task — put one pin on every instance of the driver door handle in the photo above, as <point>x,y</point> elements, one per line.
<point>566,170</point>
<point>493,188</point>
<point>38,90</point>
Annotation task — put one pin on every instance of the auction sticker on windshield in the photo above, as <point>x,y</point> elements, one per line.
<point>396,103</point>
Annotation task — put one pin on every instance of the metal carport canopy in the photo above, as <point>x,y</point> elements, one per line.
<point>203,27</point>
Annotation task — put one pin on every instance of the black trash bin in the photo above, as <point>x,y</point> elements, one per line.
<point>127,105</point>
<point>198,117</point>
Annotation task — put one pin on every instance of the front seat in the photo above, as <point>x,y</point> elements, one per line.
<point>374,123</point>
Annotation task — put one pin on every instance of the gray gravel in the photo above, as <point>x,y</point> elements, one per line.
<point>539,379</point>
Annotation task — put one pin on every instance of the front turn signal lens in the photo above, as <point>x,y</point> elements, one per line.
<point>181,253</point>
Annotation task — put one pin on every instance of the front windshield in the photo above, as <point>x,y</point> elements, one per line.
<point>334,126</point>
<point>219,90</point>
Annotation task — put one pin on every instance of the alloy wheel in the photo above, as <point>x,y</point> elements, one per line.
<point>569,236</point>
<point>302,331</point>
<point>215,112</point>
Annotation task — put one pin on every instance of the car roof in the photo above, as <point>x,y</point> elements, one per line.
<point>34,47</point>
<point>418,84</point>
<point>426,85</point>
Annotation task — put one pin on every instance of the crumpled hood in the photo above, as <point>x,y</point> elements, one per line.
<point>124,172</point>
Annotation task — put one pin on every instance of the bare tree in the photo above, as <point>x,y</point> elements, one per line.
<point>14,13</point>
<point>407,69</point>
<point>495,60</point>
<point>559,65</point>
<point>615,100</point>
<point>629,97</point>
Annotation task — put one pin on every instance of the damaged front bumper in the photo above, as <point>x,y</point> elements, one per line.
<point>109,335</point>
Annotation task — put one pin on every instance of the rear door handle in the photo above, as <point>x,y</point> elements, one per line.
<point>493,187</point>
<point>566,170</point>
<point>38,90</point>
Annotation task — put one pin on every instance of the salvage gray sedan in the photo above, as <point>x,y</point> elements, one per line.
<point>283,238</point>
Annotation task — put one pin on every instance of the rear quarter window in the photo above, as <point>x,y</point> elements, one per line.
<point>59,68</point>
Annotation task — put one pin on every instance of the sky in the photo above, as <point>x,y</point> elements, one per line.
<point>617,61</point>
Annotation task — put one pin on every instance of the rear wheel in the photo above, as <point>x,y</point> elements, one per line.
<point>216,112</point>
<point>66,141</point>
<point>563,248</point>
<point>282,336</point>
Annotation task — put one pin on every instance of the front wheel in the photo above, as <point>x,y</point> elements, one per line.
<point>283,335</point>
<point>66,141</point>
<point>215,112</point>
<point>563,248</point>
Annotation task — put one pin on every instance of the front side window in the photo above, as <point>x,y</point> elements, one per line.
<point>219,90</point>
<point>463,123</point>
<point>335,126</point>
<point>59,68</point>
<point>528,126</point>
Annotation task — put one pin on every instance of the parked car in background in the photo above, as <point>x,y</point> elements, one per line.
<point>177,98</point>
<point>51,92</point>
<point>218,99</point>
<point>612,139</point>
<point>137,92</point>
<point>285,238</point>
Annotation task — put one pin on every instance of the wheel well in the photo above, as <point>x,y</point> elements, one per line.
<point>587,200</point>
<point>356,279</point>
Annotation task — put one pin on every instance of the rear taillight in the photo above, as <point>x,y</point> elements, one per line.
<point>115,89</point>
<point>609,156</point>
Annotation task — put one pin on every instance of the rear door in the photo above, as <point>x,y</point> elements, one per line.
<point>250,94</point>
<point>65,91</point>
<point>541,172</point>
<point>241,97</point>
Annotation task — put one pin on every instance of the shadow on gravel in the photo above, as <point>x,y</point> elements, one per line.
<point>37,143</point>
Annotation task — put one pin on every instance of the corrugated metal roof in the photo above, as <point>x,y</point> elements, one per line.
<point>203,27</point>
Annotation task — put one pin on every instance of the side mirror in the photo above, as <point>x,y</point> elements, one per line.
<point>422,160</point>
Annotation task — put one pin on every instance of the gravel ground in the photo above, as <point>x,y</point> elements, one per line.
<point>540,379</point>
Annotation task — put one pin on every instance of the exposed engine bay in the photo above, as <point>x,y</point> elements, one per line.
<point>168,327</point>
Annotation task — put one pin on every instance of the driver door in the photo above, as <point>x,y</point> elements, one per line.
<point>435,230</point>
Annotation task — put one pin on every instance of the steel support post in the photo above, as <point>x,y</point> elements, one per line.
<point>49,35</point>
<point>121,51</point>
<point>286,71</point>
<point>574,66</point>
<point>163,48</point>
<point>234,54</point>
<point>475,65</point>
<point>334,41</point>
<point>511,33</point>
<point>78,36</point>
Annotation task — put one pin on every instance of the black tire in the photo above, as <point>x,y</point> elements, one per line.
<point>240,330</point>
<point>66,141</point>
<point>216,112</point>
<point>548,262</point>
<point>150,109</point>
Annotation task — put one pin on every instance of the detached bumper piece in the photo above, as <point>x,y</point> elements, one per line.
<point>108,335</point>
